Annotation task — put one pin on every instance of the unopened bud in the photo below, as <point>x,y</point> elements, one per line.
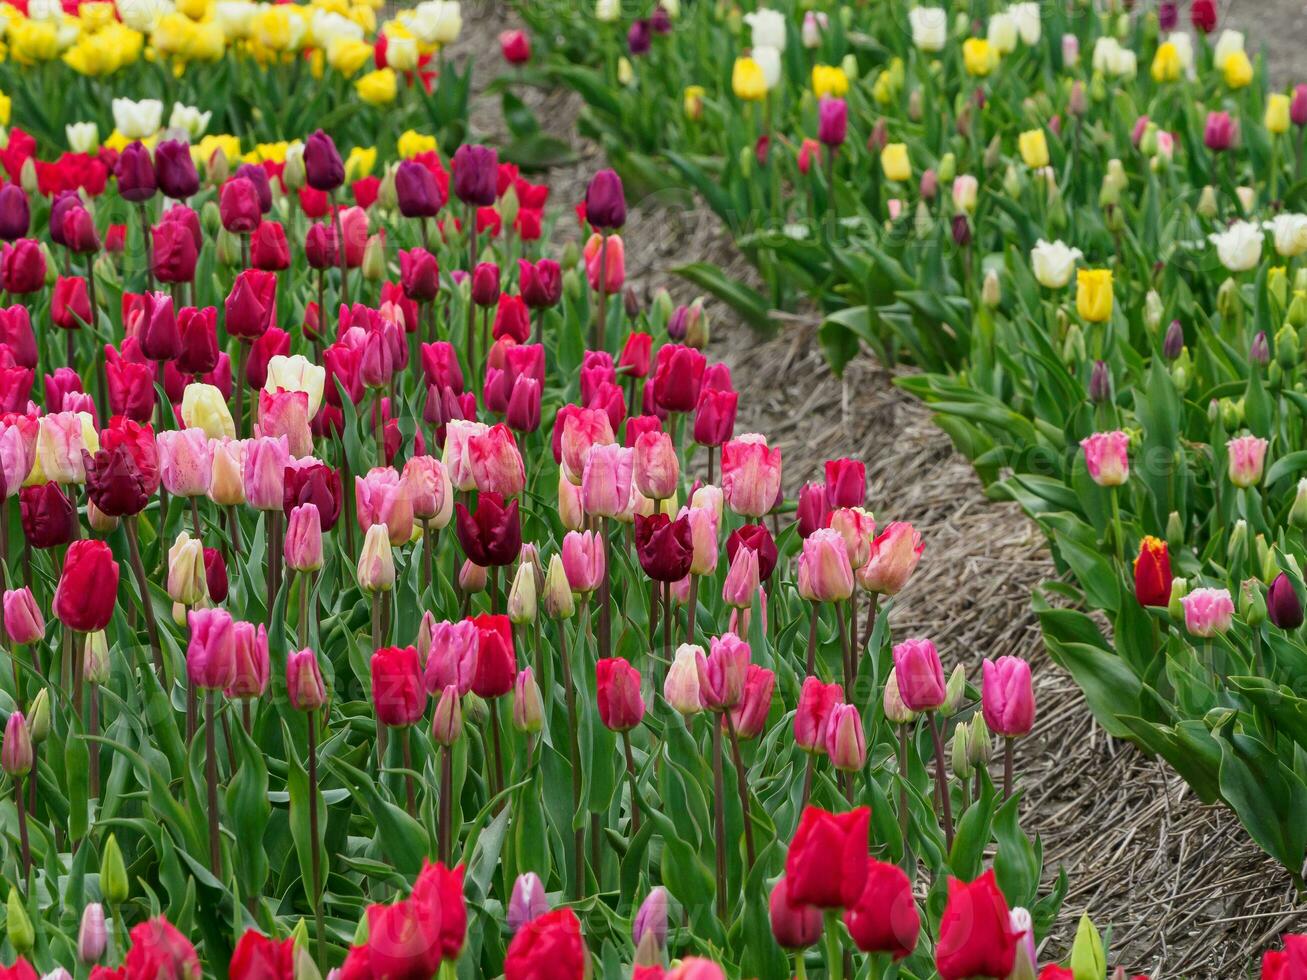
<point>1259,352</point>
<point>896,711</point>
<point>522,596</point>
<point>954,692</point>
<point>559,601</point>
<point>113,874</point>
<point>92,936</point>
<point>1173,343</point>
<point>1179,589</point>
<point>980,743</point>
<point>38,716</point>
<point>991,291</point>
<point>1207,203</point>
<point>1100,383</point>
<point>1252,604</point>
<point>528,709</point>
<point>961,761</point>
<point>447,722</point>
<point>22,937</point>
<point>1298,512</point>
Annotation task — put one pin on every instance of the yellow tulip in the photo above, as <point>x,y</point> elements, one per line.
<point>275,28</point>
<point>1094,294</point>
<point>1166,63</point>
<point>118,142</point>
<point>978,57</point>
<point>1277,113</point>
<point>747,80</point>
<point>378,87</point>
<point>692,102</point>
<point>360,162</point>
<point>411,143</point>
<point>208,43</point>
<point>174,34</point>
<point>96,15</point>
<point>365,17</point>
<point>1034,148</point>
<point>347,55</point>
<point>1238,70</point>
<point>203,407</point>
<point>829,80</point>
<point>895,163</point>
<point>6,108</point>
<point>31,41</point>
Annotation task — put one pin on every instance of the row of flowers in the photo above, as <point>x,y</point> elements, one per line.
<point>1086,230</point>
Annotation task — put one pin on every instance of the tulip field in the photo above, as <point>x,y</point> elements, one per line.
<point>421,562</point>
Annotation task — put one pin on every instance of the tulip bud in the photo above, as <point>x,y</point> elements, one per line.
<point>472,578</point>
<point>229,248</point>
<point>1297,314</point>
<point>113,874</point>
<point>896,711</point>
<point>1286,347</point>
<point>980,743</point>
<point>16,751</point>
<point>1252,604</point>
<point>991,292</point>
<point>475,710</point>
<point>948,168</point>
<point>1237,545</point>
<point>101,523</point>
<point>1298,512</point>
<point>303,548</point>
<point>374,259</point>
<point>388,196</point>
<point>447,722</point>
<point>95,658</point>
<point>846,745</point>
<point>527,902</point>
<point>1207,203</point>
<point>651,918</point>
<point>376,567</point>
<point>1173,344</point>
<point>961,762</point>
<point>38,716</point>
<point>559,602</point>
<point>528,709</point>
<point>1100,383</point>
<point>92,936</point>
<point>22,937</point>
<point>1179,589</point>
<point>1259,352</point>
<point>1073,345</point>
<point>522,596</point>
<point>954,692</point>
<point>1283,607</point>
<point>681,688</point>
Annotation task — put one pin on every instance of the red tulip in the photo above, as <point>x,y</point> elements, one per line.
<point>198,330</point>
<point>846,483</point>
<point>310,481</point>
<point>158,950</point>
<point>20,969</point>
<point>884,919</point>
<point>816,700</point>
<point>541,284</point>
<point>438,887</point>
<point>548,948</point>
<point>496,666</point>
<point>826,864</point>
<point>16,333</point>
<point>114,483</point>
<point>70,305</point>
<point>403,940</point>
<point>664,547</point>
<point>251,305</point>
<point>274,342</point>
<point>47,515</point>
<point>397,693</point>
<point>238,206</point>
<point>157,329</point>
<point>794,926</point>
<point>621,707</point>
<point>515,46</point>
<point>174,252</point>
<point>512,319</point>
<point>1289,963</point>
<point>22,267</point>
<point>714,417</point>
<point>320,248</point>
<point>678,377</point>
<point>758,539</point>
<point>15,388</point>
<point>268,248</point>
<point>440,366</point>
<point>256,957</point>
<point>1153,573</point>
<point>419,274</point>
<point>750,716</point>
<point>131,389</point>
<point>975,932</point>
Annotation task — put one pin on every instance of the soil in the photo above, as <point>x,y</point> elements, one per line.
<point>1179,885</point>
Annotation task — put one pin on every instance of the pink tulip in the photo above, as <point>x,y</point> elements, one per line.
<point>1007,696</point>
<point>452,659</point>
<point>304,681</point>
<point>496,463</point>
<point>894,555</point>
<point>583,561</point>
<point>605,262</point>
<point>657,469</point>
<point>59,446</point>
<point>1247,458</point>
<point>286,413</point>
<point>429,486</point>
<point>920,674</point>
<point>266,458</point>
<point>457,458</point>
<point>303,548</point>
<point>741,579</point>
<point>812,717</point>
<point>571,512</point>
<point>1207,612</point>
<point>750,716</point>
<point>606,480</point>
<point>251,657</point>
<point>824,571</point>
<point>1107,456</point>
<point>211,653</point>
<point>751,475</point>
<point>858,529</point>
<point>16,755</point>
<point>17,450</point>
<point>185,462</point>
<point>226,475</point>
<point>582,429</point>
<point>382,497</point>
<point>23,620</point>
<point>723,672</point>
<point>845,743</point>
<point>703,538</point>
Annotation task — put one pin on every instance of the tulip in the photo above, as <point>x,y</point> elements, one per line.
<point>175,171</point>
<point>204,408</point>
<point>751,475</point>
<point>894,556</point>
<point>527,902</point>
<point>678,378</point>
<point>825,865</point>
<point>749,717</point>
<point>47,515</point>
<point>92,935</point>
<point>920,675</point>
<point>681,686</point>
<point>22,267</point>
<point>251,304</point>
<point>1283,607</point>
<point>15,213</point>
<point>1247,457</point>
<point>549,947</point>
<point>114,483</point>
<point>1219,131</point>
<point>845,744</point>
<point>23,620</point>
<point>419,275</point>
<point>663,546</point>
<point>79,234</point>
<point>134,171</point>
<point>250,645</point>
<point>1207,612</point>
<point>238,206</point>
<point>742,579</point>
<point>495,462</point>
<point>496,660</point>
<point>621,707</point>
<point>447,719</point>
<point>376,567</point>
<point>794,926</point>
<point>397,693</point>
<point>303,547</point>
<point>187,582</point>
<point>1152,570</point>
<point>197,332</point>
<point>264,471</point>
<point>884,919</point>
<point>492,535</point>
<point>416,191</point>
<point>606,480</point>
<point>88,587</point>
<point>657,469</point>
<point>528,709</point>
<point>605,201</point>
<point>723,673</point>
<point>16,756</point>
<point>211,653</point>
<point>975,933</point>
<point>541,284</point>
<point>824,571</point>
<point>304,681</point>
<point>452,657</point>
<point>1107,458</point>
<point>1008,700</point>
<point>323,168</point>
<point>475,169</point>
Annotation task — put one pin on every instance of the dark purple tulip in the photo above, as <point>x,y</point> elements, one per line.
<point>175,170</point>
<point>1173,343</point>
<point>476,175</point>
<point>257,176</point>
<point>323,168</point>
<point>832,121</point>
<point>661,21</point>
<point>1100,383</point>
<point>605,201</point>
<point>416,191</point>
<point>135,173</point>
<point>1168,15</point>
<point>961,230</point>
<point>15,212</point>
<point>638,37</point>
<point>1283,607</point>
<point>62,205</point>
<point>79,231</point>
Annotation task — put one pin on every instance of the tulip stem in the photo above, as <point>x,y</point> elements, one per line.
<point>344,262</point>
<point>410,794</point>
<point>20,799</point>
<point>800,968</point>
<point>240,387</point>
<point>812,640</point>
<point>631,775</point>
<point>316,860</point>
<point>845,652</point>
<point>498,772</point>
<point>903,797</point>
<point>605,596</point>
<point>471,221</point>
<point>569,693</point>
<point>195,518</point>
<point>211,778</point>
<point>694,609</point>
<point>134,551</point>
<point>444,831</point>
<point>1007,767</point>
<point>598,338</point>
<point>376,619</point>
<point>742,784</point>
<point>428,542</point>
<point>719,820</point>
<point>809,771</point>
<point>143,211</point>
<point>941,781</point>
<point>668,618</point>
<point>834,955</point>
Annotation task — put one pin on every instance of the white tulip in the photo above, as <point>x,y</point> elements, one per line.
<point>814,25</point>
<point>402,53</point>
<point>438,21</point>
<point>767,28</point>
<point>1003,33</point>
<point>137,120</point>
<point>189,118</point>
<point>45,10</point>
<point>297,373</point>
<point>1054,263</point>
<point>143,15</point>
<point>769,60</point>
<point>673,7</point>
<point>327,25</point>
<point>929,28</point>
<point>1239,247</point>
<point>607,11</point>
<point>83,137</point>
<point>1289,232</point>
<point>1230,42</point>
<point>1026,15</point>
<point>1184,49</point>
<point>235,17</point>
